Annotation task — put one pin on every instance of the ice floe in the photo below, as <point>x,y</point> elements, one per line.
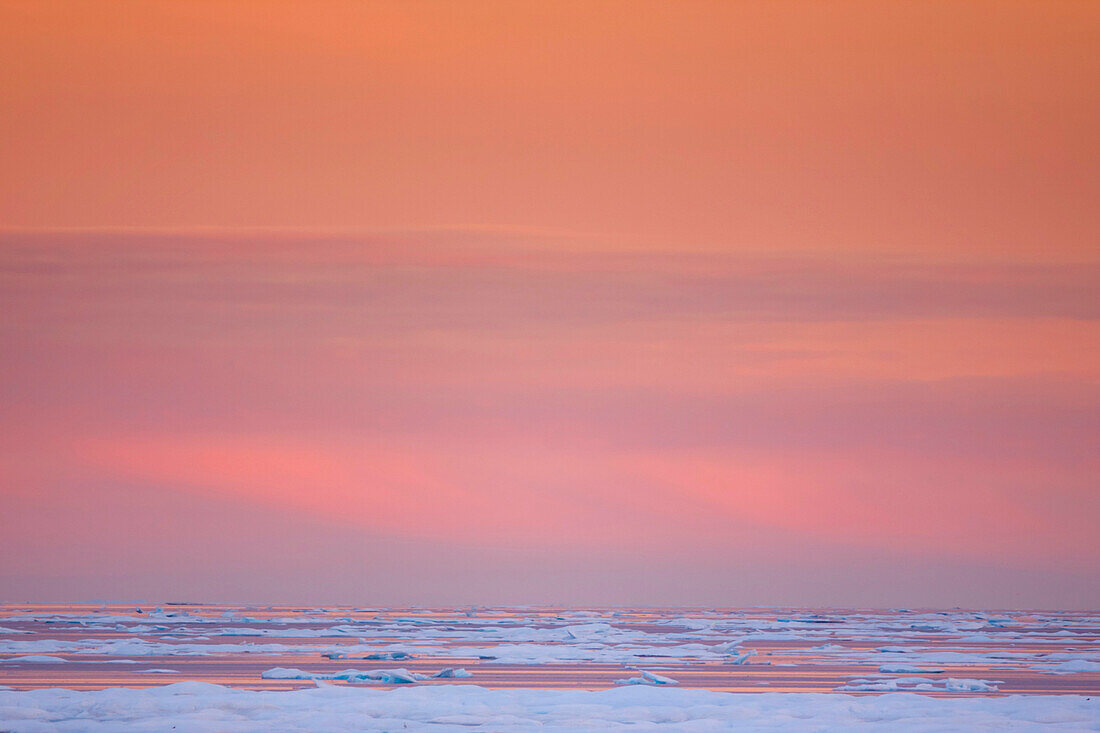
<point>197,706</point>
<point>648,678</point>
<point>907,669</point>
<point>135,647</point>
<point>967,685</point>
<point>386,676</point>
<point>1072,667</point>
<point>452,673</point>
<point>370,655</point>
<point>922,684</point>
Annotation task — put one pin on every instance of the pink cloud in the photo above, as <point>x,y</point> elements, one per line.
<point>483,393</point>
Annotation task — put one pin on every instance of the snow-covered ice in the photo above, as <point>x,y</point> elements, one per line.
<point>505,669</point>
<point>193,707</point>
<point>387,676</point>
<point>450,673</point>
<point>1077,665</point>
<point>648,678</point>
<point>907,669</point>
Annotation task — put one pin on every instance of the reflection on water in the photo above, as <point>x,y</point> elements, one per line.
<point>92,646</point>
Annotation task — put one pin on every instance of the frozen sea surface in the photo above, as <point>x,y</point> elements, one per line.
<point>198,706</point>
<point>297,668</point>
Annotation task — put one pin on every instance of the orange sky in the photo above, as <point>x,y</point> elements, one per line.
<point>795,295</point>
<point>912,126</point>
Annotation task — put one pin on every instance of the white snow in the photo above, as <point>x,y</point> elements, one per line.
<point>1072,667</point>
<point>194,707</point>
<point>893,654</point>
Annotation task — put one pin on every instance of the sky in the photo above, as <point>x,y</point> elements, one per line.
<point>608,303</point>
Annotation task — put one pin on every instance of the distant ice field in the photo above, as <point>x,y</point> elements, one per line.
<point>296,668</point>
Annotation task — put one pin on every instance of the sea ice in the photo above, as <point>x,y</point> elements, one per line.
<point>965,685</point>
<point>1072,667</point>
<point>451,672</point>
<point>386,676</point>
<point>907,669</point>
<point>869,686</point>
<point>648,678</point>
<point>391,656</point>
<point>197,706</point>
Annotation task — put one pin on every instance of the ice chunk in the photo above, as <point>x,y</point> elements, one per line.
<point>869,686</point>
<point>907,669</point>
<point>451,672</point>
<point>727,647</point>
<point>390,676</point>
<point>286,673</point>
<point>587,631</point>
<point>385,676</point>
<point>1072,667</point>
<point>391,656</point>
<point>648,678</point>
<point>967,685</point>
